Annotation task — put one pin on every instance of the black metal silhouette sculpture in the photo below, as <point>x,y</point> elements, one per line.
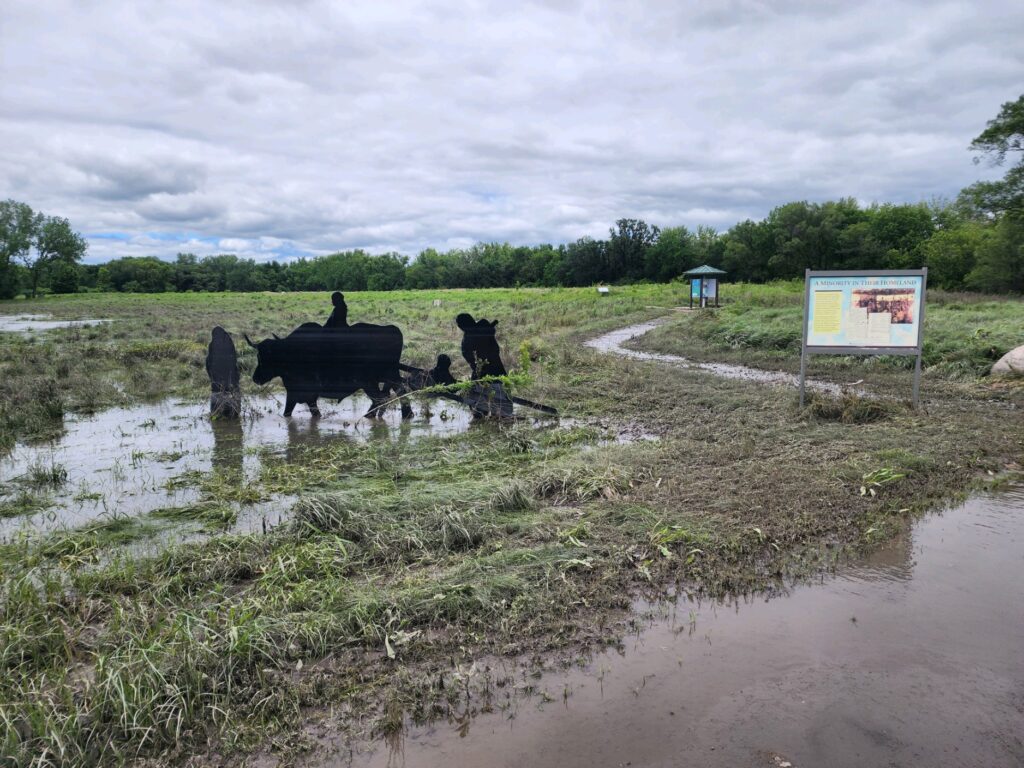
<point>222,368</point>
<point>480,346</point>
<point>335,360</point>
<point>480,349</point>
<point>314,361</point>
<point>339,317</point>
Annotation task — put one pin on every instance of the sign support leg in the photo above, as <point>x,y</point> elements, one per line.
<point>917,379</point>
<point>803,373</point>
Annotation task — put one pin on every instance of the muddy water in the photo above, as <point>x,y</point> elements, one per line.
<point>913,657</point>
<point>34,323</point>
<point>130,461</point>
<point>614,342</point>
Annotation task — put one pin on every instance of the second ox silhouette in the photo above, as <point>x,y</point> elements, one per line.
<point>314,361</point>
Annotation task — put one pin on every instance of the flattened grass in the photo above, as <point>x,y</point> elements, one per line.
<point>402,560</point>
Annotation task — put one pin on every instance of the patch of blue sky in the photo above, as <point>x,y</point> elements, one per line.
<point>180,237</point>
<point>108,236</point>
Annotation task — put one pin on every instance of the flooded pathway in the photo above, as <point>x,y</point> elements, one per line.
<point>612,343</point>
<point>911,657</point>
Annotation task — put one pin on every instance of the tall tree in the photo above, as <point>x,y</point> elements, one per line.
<point>1003,135</point>
<point>18,227</point>
<point>54,241</point>
<point>626,252</point>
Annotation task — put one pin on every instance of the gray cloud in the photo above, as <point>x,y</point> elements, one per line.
<point>272,129</point>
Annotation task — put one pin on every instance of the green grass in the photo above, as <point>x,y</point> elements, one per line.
<point>399,561</point>
<point>760,325</point>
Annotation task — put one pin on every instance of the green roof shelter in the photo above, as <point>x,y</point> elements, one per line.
<point>704,282</point>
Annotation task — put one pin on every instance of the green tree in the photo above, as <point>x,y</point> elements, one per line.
<point>749,246</point>
<point>1003,135</point>
<point>64,277</point>
<point>673,253</point>
<point>900,231</point>
<point>54,241</point>
<point>951,254</point>
<point>626,251</point>
<point>136,274</point>
<point>19,225</point>
<point>1000,259</point>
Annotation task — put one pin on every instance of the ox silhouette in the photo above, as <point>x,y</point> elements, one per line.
<point>314,362</point>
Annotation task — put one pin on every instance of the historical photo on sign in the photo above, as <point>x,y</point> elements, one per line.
<point>864,311</point>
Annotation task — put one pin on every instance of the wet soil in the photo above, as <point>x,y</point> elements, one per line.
<point>910,657</point>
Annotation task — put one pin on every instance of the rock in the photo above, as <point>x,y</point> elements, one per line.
<point>1011,363</point>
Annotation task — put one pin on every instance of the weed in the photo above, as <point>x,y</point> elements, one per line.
<point>850,408</point>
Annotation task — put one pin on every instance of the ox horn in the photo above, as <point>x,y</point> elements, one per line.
<point>276,336</point>
<point>248,340</point>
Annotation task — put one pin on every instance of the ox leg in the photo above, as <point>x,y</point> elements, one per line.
<point>314,409</point>
<point>402,390</point>
<point>376,402</point>
<point>379,395</point>
<point>289,404</point>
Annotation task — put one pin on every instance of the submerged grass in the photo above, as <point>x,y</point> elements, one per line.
<point>401,561</point>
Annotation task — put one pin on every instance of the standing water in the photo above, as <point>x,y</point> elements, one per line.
<point>911,657</point>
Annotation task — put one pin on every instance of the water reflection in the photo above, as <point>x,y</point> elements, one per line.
<point>228,444</point>
<point>911,657</point>
<point>131,461</point>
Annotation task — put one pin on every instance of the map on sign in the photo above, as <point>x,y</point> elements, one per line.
<point>864,311</point>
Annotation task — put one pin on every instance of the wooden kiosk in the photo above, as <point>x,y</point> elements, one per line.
<point>704,282</point>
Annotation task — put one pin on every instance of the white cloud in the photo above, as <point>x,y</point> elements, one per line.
<point>279,128</point>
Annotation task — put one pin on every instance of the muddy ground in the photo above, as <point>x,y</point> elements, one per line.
<point>169,627</point>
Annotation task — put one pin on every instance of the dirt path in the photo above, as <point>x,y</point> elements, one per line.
<point>612,343</point>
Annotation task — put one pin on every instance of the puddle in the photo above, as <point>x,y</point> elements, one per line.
<point>34,323</point>
<point>911,657</point>
<point>612,343</point>
<point>124,461</point>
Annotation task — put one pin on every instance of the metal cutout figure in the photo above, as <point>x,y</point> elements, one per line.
<point>335,360</point>
<point>222,368</point>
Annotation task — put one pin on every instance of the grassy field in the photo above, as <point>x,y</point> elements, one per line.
<point>760,325</point>
<point>401,563</point>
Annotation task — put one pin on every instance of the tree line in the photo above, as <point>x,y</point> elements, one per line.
<point>975,242</point>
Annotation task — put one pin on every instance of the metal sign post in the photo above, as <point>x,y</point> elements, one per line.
<point>871,312</point>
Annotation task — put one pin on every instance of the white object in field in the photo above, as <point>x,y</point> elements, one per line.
<point>602,289</point>
<point>437,302</point>
<point>1011,362</point>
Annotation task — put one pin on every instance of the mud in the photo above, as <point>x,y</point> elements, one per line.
<point>911,657</point>
<point>34,323</point>
<point>613,343</point>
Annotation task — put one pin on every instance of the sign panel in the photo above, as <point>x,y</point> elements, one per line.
<point>710,288</point>
<point>868,311</point>
<point>695,288</point>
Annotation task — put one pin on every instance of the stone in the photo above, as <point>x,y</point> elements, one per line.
<point>1011,363</point>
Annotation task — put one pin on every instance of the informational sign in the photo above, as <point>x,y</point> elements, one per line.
<point>710,288</point>
<point>864,313</point>
<point>695,288</point>
<point>872,311</point>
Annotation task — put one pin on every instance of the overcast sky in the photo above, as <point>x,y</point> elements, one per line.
<point>274,130</point>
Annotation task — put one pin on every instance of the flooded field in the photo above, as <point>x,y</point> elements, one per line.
<point>133,461</point>
<point>34,323</point>
<point>911,657</point>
